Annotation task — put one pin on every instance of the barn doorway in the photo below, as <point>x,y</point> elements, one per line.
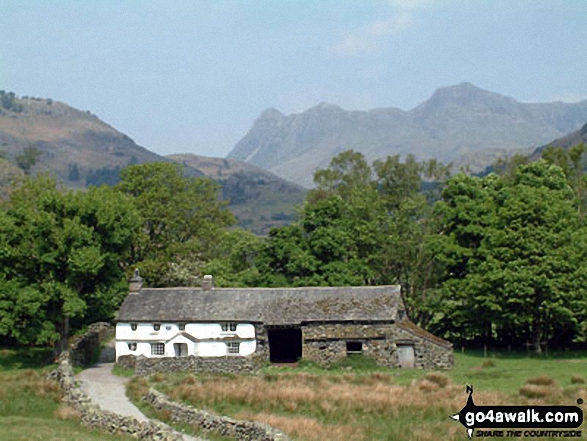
<point>405,356</point>
<point>285,345</point>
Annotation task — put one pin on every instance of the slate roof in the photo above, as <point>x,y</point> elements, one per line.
<point>271,306</point>
<point>410,326</point>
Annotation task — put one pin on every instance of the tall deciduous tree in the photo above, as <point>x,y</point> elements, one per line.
<point>513,249</point>
<point>61,258</point>
<point>183,220</point>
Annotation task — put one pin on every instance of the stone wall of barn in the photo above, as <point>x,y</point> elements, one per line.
<point>326,343</point>
<point>430,353</point>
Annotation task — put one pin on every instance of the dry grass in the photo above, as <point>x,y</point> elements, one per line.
<point>543,380</point>
<point>292,392</point>
<point>319,407</point>
<point>577,379</point>
<point>306,428</point>
<point>64,412</point>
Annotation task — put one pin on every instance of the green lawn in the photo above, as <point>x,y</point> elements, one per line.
<point>29,403</point>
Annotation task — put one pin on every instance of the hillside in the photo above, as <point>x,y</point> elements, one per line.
<point>75,146</point>
<point>79,149</point>
<point>259,199</point>
<point>567,141</point>
<point>9,173</point>
<point>455,121</point>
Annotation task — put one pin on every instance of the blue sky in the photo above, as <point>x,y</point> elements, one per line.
<point>192,76</point>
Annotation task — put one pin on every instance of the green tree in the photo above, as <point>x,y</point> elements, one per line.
<point>73,172</point>
<point>183,218</point>
<point>348,171</point>
<point>27,160</point>
<point>61,259</point>
<point>236,259</point>
<point>362,225</point>
<point>514,256</point>
<point>572,163</point>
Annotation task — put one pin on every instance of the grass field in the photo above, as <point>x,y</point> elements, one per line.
<point>29,402</point>
<point>356,401</point>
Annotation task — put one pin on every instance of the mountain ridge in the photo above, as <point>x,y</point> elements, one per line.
<point>456,120</point>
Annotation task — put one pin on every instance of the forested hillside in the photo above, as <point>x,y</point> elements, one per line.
<point>259,199</point>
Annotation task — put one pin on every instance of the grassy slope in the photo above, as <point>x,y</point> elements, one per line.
<point>29,403</point>
<point>359,402</point>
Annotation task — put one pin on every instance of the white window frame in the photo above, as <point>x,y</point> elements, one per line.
<point>158,349</point>
<point>233,348</point>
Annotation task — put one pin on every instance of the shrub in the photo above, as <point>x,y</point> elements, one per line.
<point>543,380</point>
<point>487,364</point>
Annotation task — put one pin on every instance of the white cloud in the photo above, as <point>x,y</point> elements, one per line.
<point>368,38</point>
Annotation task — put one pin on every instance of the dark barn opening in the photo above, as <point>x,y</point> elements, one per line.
<point>285,345</point>
<point>354,348</point>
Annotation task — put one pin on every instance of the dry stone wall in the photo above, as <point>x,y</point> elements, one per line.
<point>223,426</point>
<point>144,366</point>
<point>95,417</point>
<point>83,349</point>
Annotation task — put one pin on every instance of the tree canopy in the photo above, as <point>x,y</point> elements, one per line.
<point>183,221</point>
<point>62,257</point>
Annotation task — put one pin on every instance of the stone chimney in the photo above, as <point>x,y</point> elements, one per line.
<point>208,283</point>
<point>135,283</point>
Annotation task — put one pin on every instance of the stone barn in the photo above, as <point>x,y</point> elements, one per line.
<point>241,329</point>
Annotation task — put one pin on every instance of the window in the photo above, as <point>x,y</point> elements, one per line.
<point>232,347</point>
<point>132,346</point>
<point>133,326</point>
<point>227,326</point>
<point>157,348</point>
<point>354,347</point>
<point>181,326</point>
<point>156,326</point>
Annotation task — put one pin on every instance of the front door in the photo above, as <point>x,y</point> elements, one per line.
<point>405,356</point>
<point>181,349</point>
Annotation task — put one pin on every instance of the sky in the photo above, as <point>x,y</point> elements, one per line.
<point>192,76</point>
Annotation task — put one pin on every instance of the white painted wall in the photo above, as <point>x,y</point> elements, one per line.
<point>200,331</point>
<point>169,334</point>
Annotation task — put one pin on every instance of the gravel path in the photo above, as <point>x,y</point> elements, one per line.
<point>108,391</point>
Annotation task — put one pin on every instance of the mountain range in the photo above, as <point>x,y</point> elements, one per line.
<point>79,149</point>
<point>459,124</point>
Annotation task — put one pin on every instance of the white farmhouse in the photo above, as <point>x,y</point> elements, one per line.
<point>240,329</point>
